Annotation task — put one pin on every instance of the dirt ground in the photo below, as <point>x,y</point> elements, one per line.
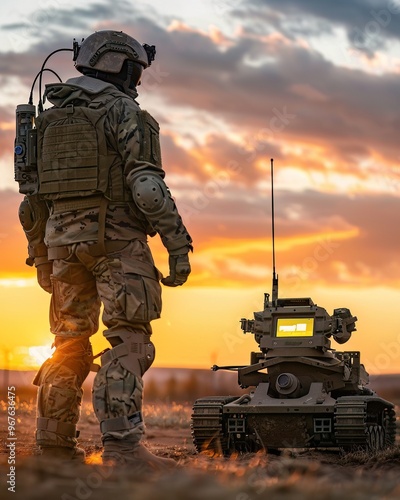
<point>292,475</point>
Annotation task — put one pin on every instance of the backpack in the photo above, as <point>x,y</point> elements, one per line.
<point>72,155</point>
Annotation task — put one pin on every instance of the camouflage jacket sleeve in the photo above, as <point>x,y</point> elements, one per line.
<point>122,131</point>
<point>126,138</point>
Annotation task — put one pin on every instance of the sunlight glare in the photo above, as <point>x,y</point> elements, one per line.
<point>40,353</point>
<point>17,282</point>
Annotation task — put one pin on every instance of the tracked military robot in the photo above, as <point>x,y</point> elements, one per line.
<point>305,394</point>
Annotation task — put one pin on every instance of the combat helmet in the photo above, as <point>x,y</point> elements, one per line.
<point>114,56</point>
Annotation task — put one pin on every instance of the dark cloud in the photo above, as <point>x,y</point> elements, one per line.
<point>357,233</point>
<point>295,95</point>
<point>301,97</point>
<point>370,24</point>
<point>6,114</point>
<point>6,142</point>
<point>7,133</point>
<point>340,108</point>
<point>220,159</point>
<point>274,94</point>
<point>66,18</point>
<point>52,28</point>
<point>317,234</point>
<point>178,160</point>
<point>369,258</point>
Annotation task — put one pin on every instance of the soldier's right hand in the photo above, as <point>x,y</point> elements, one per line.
<point>44,276</point>
<point>179,270</point>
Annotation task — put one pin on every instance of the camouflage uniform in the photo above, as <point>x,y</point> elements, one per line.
<point>99,258</point>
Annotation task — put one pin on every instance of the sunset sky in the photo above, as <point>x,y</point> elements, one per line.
<point>315,85</point>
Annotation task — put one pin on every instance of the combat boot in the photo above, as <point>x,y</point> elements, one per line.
<point>135,455</point>
<point>63,453</point>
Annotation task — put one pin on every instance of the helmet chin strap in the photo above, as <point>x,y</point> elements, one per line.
<point>132,78</point>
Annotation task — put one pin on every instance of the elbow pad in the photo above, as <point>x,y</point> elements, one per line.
<point>150,194</point>
<point>153,199</point>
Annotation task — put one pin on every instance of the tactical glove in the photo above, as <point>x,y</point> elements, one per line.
<point>179,270</point>
<point>43,275</point>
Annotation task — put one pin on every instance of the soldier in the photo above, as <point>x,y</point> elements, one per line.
<point>101,192</point>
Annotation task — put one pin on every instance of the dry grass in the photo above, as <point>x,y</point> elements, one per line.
<point>167,416</point>
<point>389,457</point>
<point>293,475</point>
<point>201,477</point>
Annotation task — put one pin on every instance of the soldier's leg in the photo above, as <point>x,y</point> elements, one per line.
<point>130,302</point>
<point>74,315</point>
<point>118,386</point>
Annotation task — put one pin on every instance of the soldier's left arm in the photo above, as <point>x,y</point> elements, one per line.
<point>33,214</point>
<point>151,194</point>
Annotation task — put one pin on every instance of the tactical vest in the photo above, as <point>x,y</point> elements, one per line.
<point>74,159</point>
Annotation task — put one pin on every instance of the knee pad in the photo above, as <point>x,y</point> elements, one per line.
<point>72,353</point>
<point>135,351</point>
<point>59,393</point>
<point>118,385</point>
<point>117,400</point>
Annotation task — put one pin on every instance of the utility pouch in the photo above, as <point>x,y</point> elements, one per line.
<point>149,129</point>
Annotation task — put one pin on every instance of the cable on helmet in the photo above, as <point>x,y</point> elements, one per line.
<point>34,82</point>
<point>75,50</point>
<point>41,101</point>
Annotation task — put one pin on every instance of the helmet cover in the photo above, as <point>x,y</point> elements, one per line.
<point>107,50</point>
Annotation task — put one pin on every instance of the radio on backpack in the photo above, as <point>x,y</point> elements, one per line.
<point>25,154</point>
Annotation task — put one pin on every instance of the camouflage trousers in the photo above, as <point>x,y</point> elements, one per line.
<point>127,284</point>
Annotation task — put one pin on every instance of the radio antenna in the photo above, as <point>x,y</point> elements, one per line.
<point>274,275</point>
